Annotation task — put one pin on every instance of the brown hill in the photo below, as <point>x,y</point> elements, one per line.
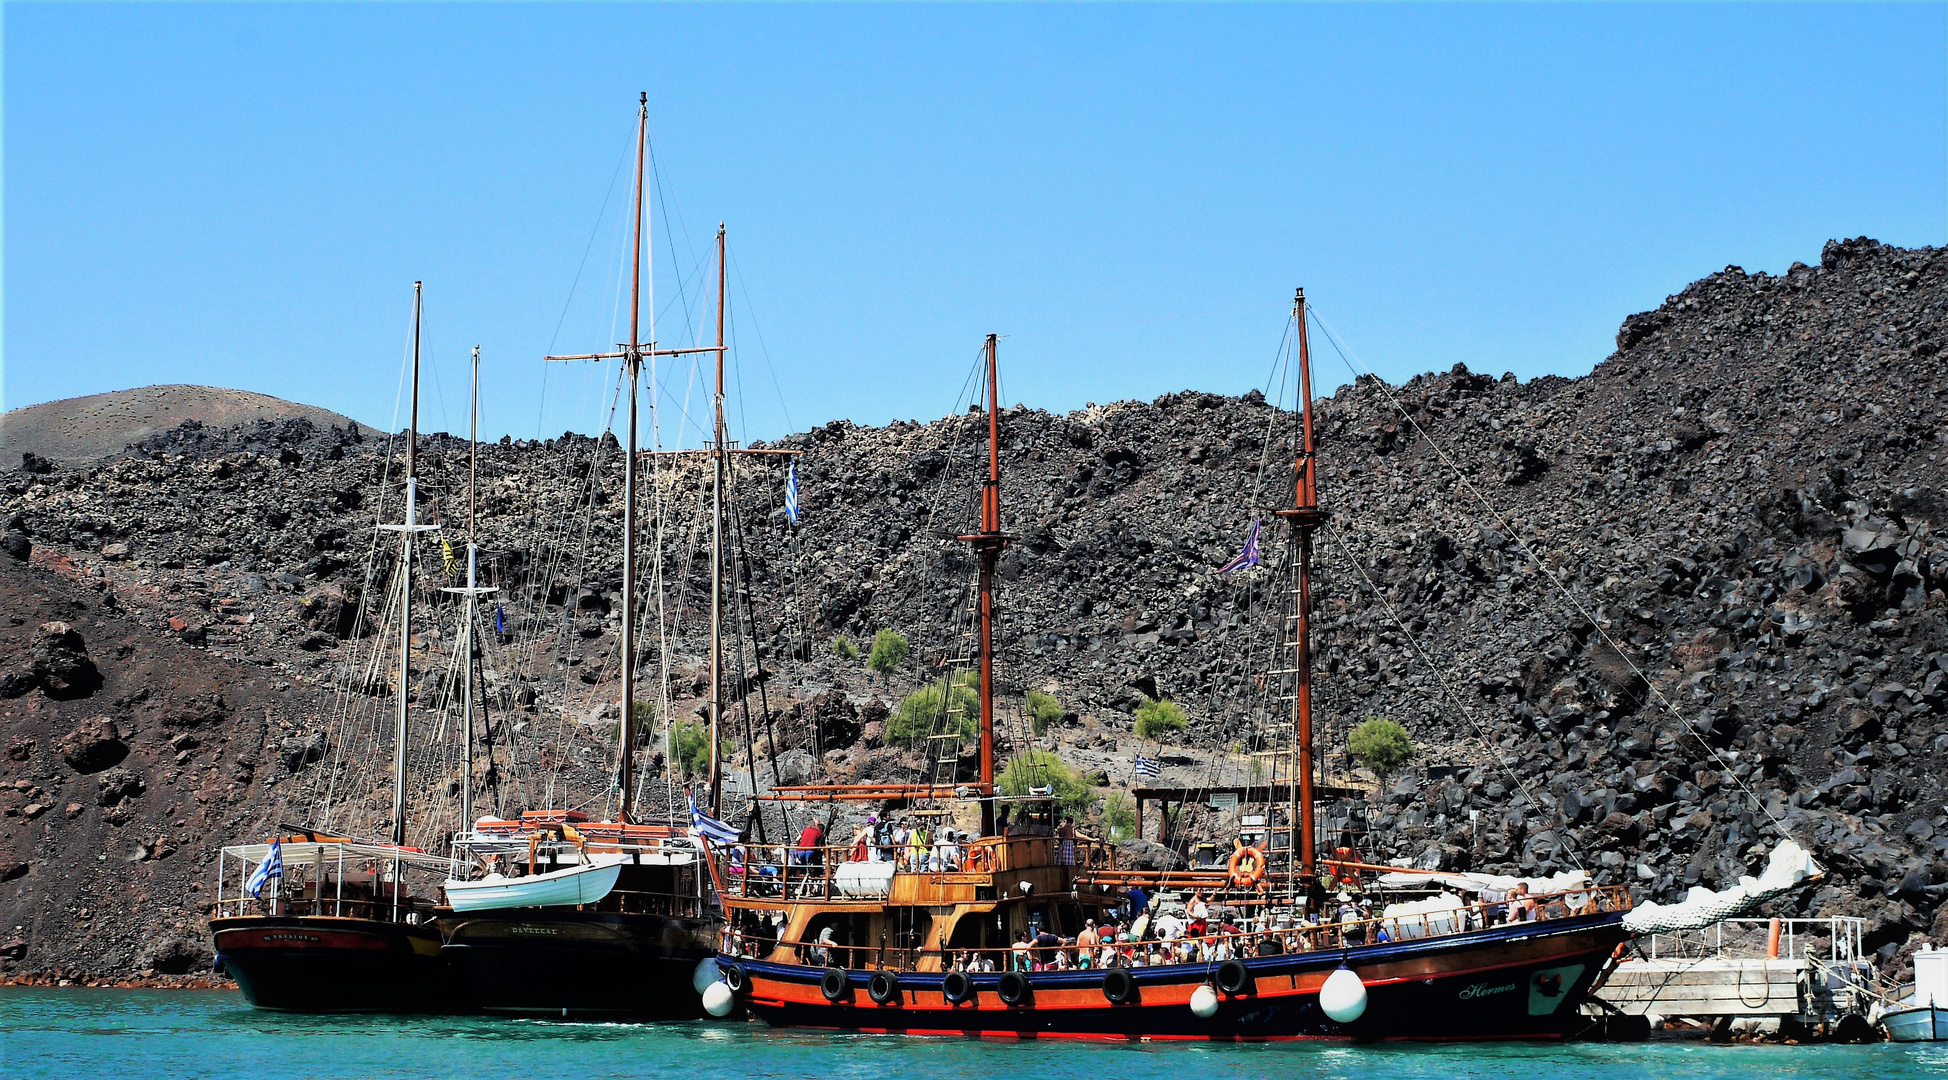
<point>86,429</point>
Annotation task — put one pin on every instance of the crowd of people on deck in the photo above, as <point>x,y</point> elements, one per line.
<point>919,845</point>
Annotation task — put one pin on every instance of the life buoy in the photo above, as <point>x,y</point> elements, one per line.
<point>1013,988</point>
<point>833,983</point>
<point>1233,977</point>
<point>956,987</point>
<point>884,988</point>
<point>1119,986</point>
<point>1247,867</point>
<point>980,860</point>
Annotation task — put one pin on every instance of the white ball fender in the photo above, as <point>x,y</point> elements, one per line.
<point>705,974</point>
<point>718,999</point>
<point>1204,1002</point>
<point>1344,996</point>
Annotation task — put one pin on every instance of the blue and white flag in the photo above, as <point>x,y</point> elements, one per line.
<point>500,620</point>
<point>1147,767</point>
<point>791,491</point>
<point>1247,557</point>
<point>271,867</point>
<point>705,827</point>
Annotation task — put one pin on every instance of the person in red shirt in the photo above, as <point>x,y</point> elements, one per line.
<point>808,843</point>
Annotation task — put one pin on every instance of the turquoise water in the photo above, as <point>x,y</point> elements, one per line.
<point>125,1034</point>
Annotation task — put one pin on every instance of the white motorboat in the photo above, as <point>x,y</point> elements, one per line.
<point>1923,1017</point>
<point>582,884</point>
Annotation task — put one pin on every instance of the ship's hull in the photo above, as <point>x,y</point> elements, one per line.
<point>1922,1024</point>
<point>580,963</point>
<point>322,964</point>
<point>1525,981</point>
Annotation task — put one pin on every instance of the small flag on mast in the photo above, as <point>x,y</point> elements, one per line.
<point>791,491</point>
<point>1148,767</point>
<point>500,620</point>
<point>1247,557</point>
<point>271,867</point>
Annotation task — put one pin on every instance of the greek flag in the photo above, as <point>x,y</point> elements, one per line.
<point>1247,557</point>
<point>1148,767</point>
<point>705,827</point>
<point>791,491</point>
<point>271,867</point>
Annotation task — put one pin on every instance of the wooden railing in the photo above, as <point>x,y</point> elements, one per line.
<point>786,871</point>
<point>1212,947</point>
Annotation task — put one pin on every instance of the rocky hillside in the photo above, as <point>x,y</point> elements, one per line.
<point>77,431</point>
<point>1641,621</point>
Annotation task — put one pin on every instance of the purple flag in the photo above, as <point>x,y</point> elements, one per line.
<point>1247,557</point>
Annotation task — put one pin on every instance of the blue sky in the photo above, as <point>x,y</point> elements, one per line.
<point>243,194</point>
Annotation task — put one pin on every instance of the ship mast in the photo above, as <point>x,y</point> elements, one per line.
<point>473,592</point>
<point>717,449</point>
<point>632,354</point>
<point>987,545</point>
<point>1304,516</point>
<point>408,530</point>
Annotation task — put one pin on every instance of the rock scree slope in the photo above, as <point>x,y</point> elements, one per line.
<point>1641,621</point>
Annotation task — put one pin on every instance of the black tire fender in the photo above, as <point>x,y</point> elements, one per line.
<point>1119,986</point>
<point>956,987</point>
<point>1014,988</point>
<point>1233,977</point>
<point>883,988</point>
<point>834,983</point>
<point>733,975</point>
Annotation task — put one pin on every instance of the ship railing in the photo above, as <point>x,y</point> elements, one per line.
<point>329,877</point>
<point>790,872</point>
<point>1214,947</point>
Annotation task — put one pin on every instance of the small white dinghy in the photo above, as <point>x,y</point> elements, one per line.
<point>1923,1017</point>
<point>583,884</point>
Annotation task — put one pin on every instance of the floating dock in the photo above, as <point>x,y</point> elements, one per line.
<point>1810,971</point>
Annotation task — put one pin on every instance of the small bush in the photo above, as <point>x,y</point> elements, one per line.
<point>1159,719</point>
<point>845,648</point>
<point>1119,815</point>
<point>691,741</point>
<point>889,649</point>
<point>1041,768</point>
<point>928,709</point>
<point>1043,710</point>
<point>1381,745</point>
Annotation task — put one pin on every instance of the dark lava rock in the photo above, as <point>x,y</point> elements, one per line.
<point>92,747</point>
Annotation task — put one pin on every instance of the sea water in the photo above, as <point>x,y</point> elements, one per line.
<point>77,1034</point>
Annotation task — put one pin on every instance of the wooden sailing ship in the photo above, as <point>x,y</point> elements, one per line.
<point>984,937</point>
<point>326,923</point>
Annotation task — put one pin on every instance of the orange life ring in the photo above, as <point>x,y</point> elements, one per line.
<point>980,860</point>
<point>1247,867</point>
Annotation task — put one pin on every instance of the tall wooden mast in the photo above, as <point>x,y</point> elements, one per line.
<point>407,531</point>
<point>987,545</point>
<point>472,591</point>
<point>632,354</point>
<point>717,464</point>
<point>632,362</point>
<point>1304,516</point>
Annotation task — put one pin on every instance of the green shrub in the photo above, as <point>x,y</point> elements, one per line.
<point>889,649</point>
<point>1043,710</point>
<point>1119,815</point>
<point>690,739</point>
<point>927,710</point>
<point>1041,768</point>
<point>1381,745</point>
<point>845,648</point>
<point>1159,719</point>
